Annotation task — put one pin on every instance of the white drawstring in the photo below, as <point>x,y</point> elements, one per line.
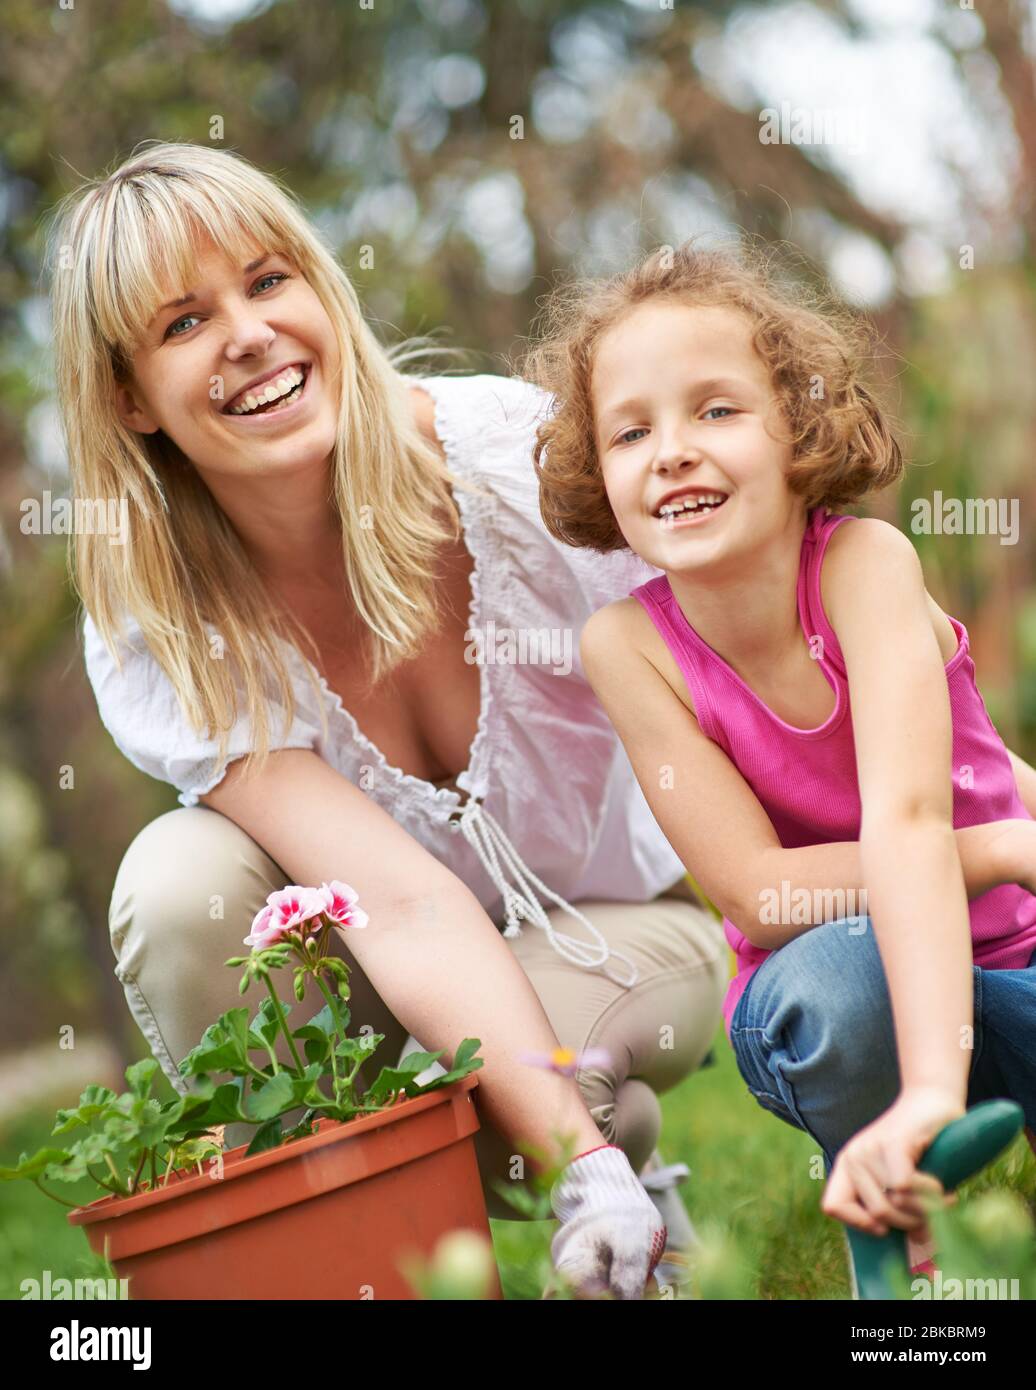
<point>487,839</point>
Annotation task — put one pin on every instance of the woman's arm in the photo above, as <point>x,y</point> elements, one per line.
<point>873,590</point>
<point>431,952</point>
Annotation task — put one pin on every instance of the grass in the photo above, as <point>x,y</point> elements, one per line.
<point>751,1192</point>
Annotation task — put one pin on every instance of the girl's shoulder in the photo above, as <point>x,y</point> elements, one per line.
<point>861,556</point>
<point>626,625</point>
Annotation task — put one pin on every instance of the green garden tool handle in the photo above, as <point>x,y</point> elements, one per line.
<point>960,1149</point>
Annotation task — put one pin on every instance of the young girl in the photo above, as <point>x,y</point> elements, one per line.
<point>800,713</point>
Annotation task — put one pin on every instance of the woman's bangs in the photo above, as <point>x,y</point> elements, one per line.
<point>158,260</point>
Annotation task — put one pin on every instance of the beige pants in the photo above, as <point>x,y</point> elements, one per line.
<point>171,949</point>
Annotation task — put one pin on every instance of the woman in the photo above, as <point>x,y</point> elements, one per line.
<point>442,753</point>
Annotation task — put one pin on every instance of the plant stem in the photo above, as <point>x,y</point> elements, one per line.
<point>100,1181</point>
<point>140,1167</point>
<point>331,1005</point>
<point>283,1024</point>
<point>53,1196</point>
<point>115,1173</point>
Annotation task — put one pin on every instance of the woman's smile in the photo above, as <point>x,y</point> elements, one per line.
<point>286,410</point>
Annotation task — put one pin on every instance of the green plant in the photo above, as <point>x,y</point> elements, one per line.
<point>132,1138</point>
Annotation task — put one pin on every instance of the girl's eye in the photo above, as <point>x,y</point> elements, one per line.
<point>728,408</point>
<point>625,438</point>
<point>276,276</point>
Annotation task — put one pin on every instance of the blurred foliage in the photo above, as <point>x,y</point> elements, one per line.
<point>395,125</point>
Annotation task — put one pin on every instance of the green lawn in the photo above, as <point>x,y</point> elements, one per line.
<point>750,1194</point>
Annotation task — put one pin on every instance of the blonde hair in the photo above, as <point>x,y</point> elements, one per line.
<point>842,443</point>
<point>116,244</point>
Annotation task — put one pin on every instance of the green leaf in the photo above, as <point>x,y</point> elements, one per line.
<point>390,1079</point>
<point>465,1052</point>
<point>267,1136</point>
<point>326,1023</point>
<point>304,1127</point>
<point>277,1095</point>
<point>464,1063</point>
<point>140,1076</point>
<point>417,1061</point>
<point>223,1047</point>
<point>192,1151</point>
<point>527,1203</point>
<point>94,1101</point>
<point>356,1049</point>
<point>33,1167</point>
<point>225,1107</point>
<point>264,1027</point>
<point>317,1050</point>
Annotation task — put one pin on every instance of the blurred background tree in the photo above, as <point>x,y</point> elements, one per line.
<point>480,148</point>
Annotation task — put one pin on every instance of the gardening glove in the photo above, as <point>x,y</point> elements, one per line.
<point>611,1235</point>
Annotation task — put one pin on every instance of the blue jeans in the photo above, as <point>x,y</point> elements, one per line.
<point>814,1039</point>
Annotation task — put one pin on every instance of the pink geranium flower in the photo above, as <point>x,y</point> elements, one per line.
<point>288,910</point>
<point>566,1062</point>
<point>340,904</point>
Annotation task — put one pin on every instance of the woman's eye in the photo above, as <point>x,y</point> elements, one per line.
<point>625,438</point>
<point>276,276</point>
<point>169,331</point>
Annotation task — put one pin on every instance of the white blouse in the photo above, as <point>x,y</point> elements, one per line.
<point>550,797</point>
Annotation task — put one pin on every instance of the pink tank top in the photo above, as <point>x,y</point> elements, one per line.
<point>805,779</point>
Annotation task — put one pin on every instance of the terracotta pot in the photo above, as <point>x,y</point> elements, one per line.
<point>327,1216</point>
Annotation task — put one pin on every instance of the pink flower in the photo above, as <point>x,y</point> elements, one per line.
<point>566,1062</point>
<point>339,904</point>
<point>288,910</point>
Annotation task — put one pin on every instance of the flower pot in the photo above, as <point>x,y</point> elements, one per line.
<point>326,1216</point>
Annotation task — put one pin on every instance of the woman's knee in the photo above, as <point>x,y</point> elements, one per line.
<point>189,870</point>
<point>184,898</point>
<point>631,1118</point>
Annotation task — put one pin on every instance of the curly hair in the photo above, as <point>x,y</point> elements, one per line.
<point>814,348</point>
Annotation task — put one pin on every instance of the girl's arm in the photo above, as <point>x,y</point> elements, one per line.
<point>874,594</point>
<point>832,875</point>
<point>1025,777</point>
<point>709,813</point>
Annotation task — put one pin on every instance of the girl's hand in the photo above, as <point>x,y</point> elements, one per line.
<point>874,1183</point>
